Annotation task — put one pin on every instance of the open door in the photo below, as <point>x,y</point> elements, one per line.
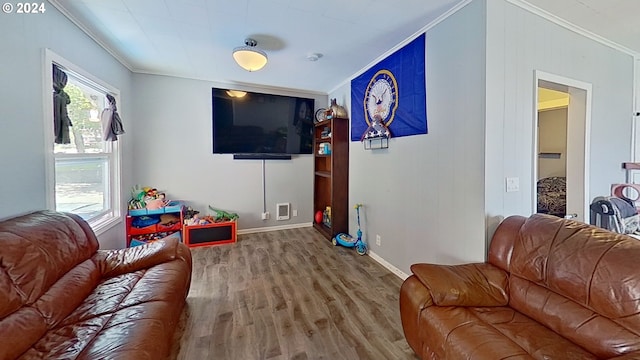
<point>568,157</point>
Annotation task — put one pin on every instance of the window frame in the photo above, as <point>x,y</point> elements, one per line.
<point>112,216</point>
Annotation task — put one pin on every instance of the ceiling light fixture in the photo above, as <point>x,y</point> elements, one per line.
<point>236,93</point>
<point>249,57</point>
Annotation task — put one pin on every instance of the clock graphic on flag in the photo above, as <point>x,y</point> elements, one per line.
<point>390,98</point>
<point>381,97</point>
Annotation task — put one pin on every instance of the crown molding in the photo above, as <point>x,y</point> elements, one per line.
<point>91,34</point>
<point>431,24</point>
<point>571,26</point>
<point>237,85</point>
<point>519,3</point>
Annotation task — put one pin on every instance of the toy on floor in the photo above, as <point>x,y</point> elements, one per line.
<point>347,240</point>
<point>221,215</point>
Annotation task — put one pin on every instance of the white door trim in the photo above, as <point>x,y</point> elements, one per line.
<point>635,128</point>
<point>572,83</point>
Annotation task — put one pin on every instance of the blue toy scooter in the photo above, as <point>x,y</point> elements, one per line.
<point>347,240</point>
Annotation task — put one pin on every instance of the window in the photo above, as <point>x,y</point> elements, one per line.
<point>83,175</point>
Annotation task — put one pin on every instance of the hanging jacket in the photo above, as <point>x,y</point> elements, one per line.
<point>111,122</point>
<point>61,120</point>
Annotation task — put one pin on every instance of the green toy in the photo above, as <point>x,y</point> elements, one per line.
<point>221,214</point>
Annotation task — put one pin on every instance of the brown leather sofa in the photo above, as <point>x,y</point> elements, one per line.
<point>550,289</point>
<point>63,298</point>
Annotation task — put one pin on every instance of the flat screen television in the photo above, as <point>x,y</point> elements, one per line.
<point>251,123</point>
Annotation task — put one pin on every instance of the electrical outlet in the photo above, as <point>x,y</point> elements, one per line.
<point>265,215</point>
<point>295,212</point>
<point>378,240</point>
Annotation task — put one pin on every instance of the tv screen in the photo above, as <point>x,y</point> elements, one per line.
<point>257,123</point>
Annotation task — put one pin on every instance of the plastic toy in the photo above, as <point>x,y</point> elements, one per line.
<point>347,240</point>
<point>326,216</point>
<point>221,215</point>
<point>146,197</point>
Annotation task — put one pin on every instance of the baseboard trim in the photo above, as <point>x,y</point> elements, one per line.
<point>274,228</point>
<point>399,273</point>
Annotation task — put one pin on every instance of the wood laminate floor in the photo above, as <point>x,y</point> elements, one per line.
<point>290,294</point>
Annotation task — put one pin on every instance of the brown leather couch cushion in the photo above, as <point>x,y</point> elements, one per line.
<point>572,293</point>
<point>489,333</point>
<point>475,284</point>
<point>60,297</point>
<point>117,262</point>
<point>575,279</point>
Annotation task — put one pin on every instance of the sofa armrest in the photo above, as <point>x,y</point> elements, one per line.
<point>117,262</point>
<point>478,284</point>
<point>414,298</point>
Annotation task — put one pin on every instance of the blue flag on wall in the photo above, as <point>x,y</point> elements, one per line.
<point>393,92</point>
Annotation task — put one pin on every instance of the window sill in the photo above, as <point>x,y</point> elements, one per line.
<point>103,224</point>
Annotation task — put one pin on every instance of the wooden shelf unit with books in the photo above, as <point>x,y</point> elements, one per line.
<point>331,174</point>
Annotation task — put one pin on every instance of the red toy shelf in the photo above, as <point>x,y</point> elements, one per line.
<point>210,234</point>
<point>139,233</point>
<point>154,229</point>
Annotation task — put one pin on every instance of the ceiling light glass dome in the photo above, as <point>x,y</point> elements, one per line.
<point>249,57</point>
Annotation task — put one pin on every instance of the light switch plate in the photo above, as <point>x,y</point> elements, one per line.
<point>513,184</point>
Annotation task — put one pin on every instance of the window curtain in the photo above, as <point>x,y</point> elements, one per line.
<point>61,121</point>
<point>111,122</point>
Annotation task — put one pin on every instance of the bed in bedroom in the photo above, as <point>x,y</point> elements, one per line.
<point>552,196</point>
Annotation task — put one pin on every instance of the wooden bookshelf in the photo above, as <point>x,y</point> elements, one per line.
<point>331,174</point>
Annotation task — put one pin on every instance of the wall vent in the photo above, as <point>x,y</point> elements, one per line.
<point>283,211</point>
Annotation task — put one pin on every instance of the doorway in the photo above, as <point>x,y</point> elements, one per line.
<point>552,151</point>
<point>561,146</point>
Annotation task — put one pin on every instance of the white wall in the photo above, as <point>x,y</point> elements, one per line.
<point>432,197</point>
<point>173,148</point>
<point>424,195</point>
<point>22,168</point>
<point>518,43</point>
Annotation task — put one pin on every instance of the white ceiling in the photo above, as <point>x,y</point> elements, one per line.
<point>195,38</point>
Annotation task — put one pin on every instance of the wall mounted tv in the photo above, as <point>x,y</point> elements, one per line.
<point>255,125</point>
